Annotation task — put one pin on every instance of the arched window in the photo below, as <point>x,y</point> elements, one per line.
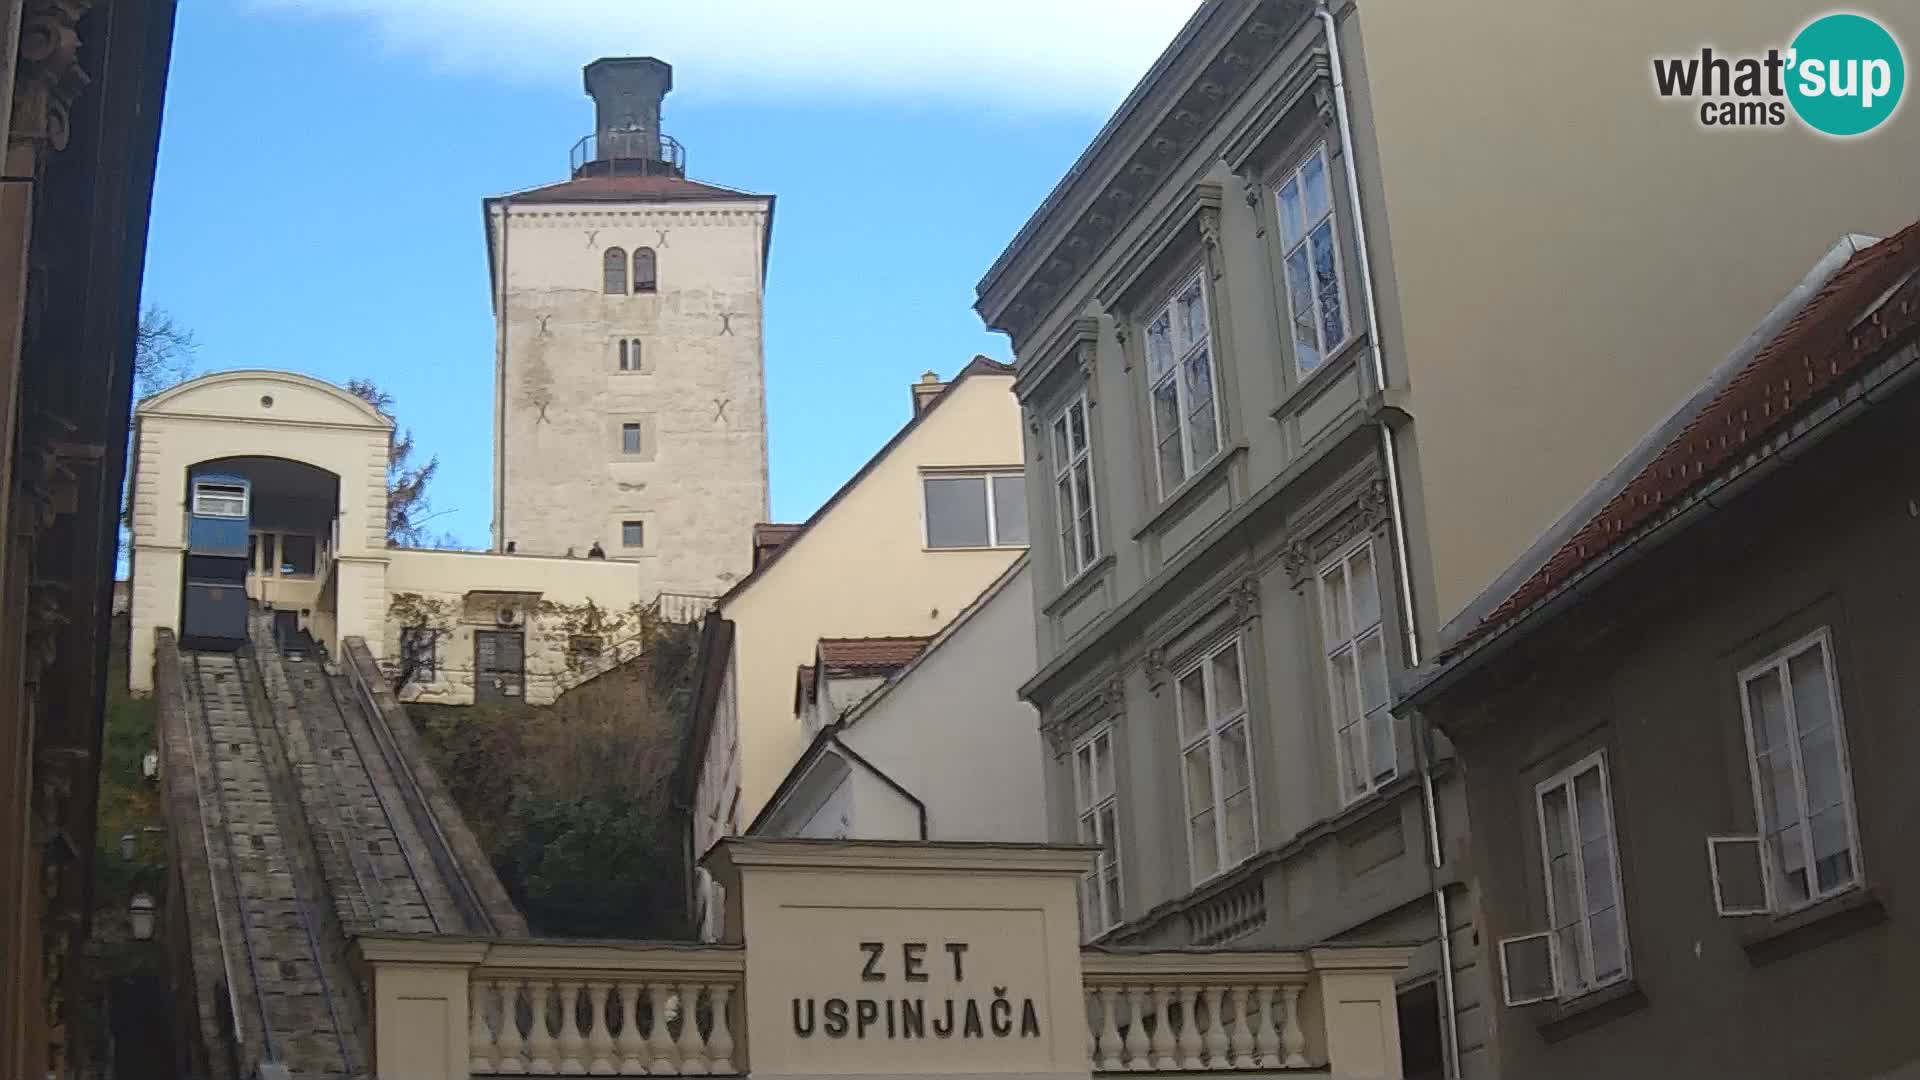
<point>629,354</point>
<point>644,274</point>
<point>614,268</point>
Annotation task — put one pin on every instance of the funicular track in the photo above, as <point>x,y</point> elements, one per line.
<point>295,993</point>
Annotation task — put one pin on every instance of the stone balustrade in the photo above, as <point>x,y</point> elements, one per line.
<point>1217,1010</point>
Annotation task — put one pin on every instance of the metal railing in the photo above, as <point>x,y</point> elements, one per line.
<point>629,151</point>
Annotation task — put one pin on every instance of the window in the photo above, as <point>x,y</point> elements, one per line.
<point>629,349</point>
<point>584,646</point>
<point>420,653</point>
<point>219,500</point>
<point>1803,793</point>
<point>1357,671</point>
<point>267,561</point>
<point>979,510</point>
<point>633,534</point>
<point>613,269</point>
<point>1096,804</point>
<point>1186,421</point>
<point>1316,301</point>
<point>1216,762</point>
<point>1073,490</point>
<point>1582,869</point>
<point>645,278</point>
<point>297,555</point>
<point>630,437</point>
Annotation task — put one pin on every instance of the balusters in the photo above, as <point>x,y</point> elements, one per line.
<point>600,1042</point>
<point>540,1045</point>
<point>1093,1028</point>
<point>512,1061</point>
<point>1137,1058</point>
<point>1241,1035</point>
<point>572,1045</point>
<point>631,1046</point>
<point>1266,1041</point>
<point>1216,1028</point>
<point>1293,1040</point>
<point>1190,1029</point>
<point>1163,1058</point>
<point>720,1042</point>
<point>479,1039</point>
<point>1109,1029</point>
<point>659,1042</point>
<point>693,1051</point>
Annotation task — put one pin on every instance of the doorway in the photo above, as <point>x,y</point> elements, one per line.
<point>499,665</point>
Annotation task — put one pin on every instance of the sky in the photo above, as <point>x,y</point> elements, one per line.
<point>322,162</point>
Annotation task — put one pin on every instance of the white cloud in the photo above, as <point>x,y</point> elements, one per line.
<point>1075,55</point>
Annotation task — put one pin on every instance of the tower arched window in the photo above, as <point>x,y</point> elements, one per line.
<point>614,270</point>
<point>645,273</point>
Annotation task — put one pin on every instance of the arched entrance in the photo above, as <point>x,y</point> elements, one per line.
<point>292,516</point>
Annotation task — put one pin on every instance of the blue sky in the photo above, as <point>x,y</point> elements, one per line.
<point>322,165</point>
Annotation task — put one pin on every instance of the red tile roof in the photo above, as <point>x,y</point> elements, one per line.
<point>624,188</point>
<point>869,656</point>
<point>1811,355</point>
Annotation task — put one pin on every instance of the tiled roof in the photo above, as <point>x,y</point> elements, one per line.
<point>871,655</point>
<point>626,188</point>
<point>1811,355</point>
<point>769,537</point>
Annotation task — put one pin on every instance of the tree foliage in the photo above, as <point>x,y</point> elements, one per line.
<point>162,352</point>
<point>408,510</point>
<point>594,863</point>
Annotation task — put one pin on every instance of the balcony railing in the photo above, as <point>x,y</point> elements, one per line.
<point>605,1010</point>
<point>1195,1011</point>
<point>630,151</point>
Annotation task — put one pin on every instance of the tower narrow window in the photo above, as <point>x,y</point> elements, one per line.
<point>630,438</point>
<point>629,354</point>
<point>644,272</point>
<point>614,267</point>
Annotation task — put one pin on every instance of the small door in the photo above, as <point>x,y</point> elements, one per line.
<point>499,665</point>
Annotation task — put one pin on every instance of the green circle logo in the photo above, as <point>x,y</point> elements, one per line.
<point>1847,75</point>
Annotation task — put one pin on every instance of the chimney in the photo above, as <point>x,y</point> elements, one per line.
<point>626,92</point>
<point>924,391</point>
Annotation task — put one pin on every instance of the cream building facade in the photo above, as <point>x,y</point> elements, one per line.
<point>930,743</point>
<point>1308,351</point>
<point>630,407</point>
<point>878,558</point>
<point>459,626</point>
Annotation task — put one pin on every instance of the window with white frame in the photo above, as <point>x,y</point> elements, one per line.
<point>1216,761</point>
<point>1073,490</point>
<point>1808,847</point>
<point>1181,385</point>
<point>975,510</point>
<point>1581,865</point>
<point>629,350</point>
<point>1309,237</point>
<point>1357,670</point>
<point>1096,803</point>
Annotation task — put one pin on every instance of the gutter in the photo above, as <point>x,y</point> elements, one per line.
<point>1895,374</point>
<point>1397,516</point>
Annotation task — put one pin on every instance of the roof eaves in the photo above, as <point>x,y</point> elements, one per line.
<point>980,365</point>
<point>965,615</point>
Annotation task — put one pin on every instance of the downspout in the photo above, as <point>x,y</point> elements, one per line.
<point>500,389</point>
<point>1396,512</point>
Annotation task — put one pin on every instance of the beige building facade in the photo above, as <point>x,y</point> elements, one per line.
<point>630,410</point>
<point>452,626</point>
<point>904,546</point>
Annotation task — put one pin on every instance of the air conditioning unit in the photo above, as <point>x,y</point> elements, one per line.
<point>507,616</point>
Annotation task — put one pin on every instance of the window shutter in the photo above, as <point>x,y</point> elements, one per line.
<point>1738,866</point>
<point>1527,970</point>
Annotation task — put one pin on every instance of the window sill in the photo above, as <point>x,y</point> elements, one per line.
<point>975,547</point>
<point>1343,360</point>
<point>1780,936</point>
<point>1082,584</point>
<point>1182,496</point>
<point>1568,1018</point>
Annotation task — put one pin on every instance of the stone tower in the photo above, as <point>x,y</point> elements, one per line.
<point>629,403</point>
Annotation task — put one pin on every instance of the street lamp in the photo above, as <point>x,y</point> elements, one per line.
<point>129,845</point>
<point>140,915</point>
<point>150,765</point>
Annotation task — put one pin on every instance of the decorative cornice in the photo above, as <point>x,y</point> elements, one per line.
<point>1015,300</point>
<point>50,77</point>
<point>1246,599</point>
<point>1154,664</point>
<point>1209,218</point>
<point>1113,698</point>
<point>1297,559</point>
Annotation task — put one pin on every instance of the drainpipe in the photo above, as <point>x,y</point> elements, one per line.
<point>1396,508</point>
